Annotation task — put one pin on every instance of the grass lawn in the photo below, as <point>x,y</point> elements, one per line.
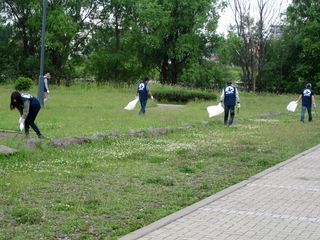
<point>109,188</point>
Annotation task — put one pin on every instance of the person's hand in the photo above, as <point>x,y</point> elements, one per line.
<point>152,97</point>
<point>48,91</point>
<point>238,105</point>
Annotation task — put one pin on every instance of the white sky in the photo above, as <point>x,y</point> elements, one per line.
<point>227,18</point>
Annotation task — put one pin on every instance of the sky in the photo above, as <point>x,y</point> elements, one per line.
<point>226,17</point>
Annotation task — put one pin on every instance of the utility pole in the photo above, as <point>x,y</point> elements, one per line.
<point>43,39</point>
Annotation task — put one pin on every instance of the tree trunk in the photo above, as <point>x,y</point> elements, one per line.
<point>164,74</point>
<point>174,72</point>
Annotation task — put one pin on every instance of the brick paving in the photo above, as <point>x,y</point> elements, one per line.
<point>281,203</point>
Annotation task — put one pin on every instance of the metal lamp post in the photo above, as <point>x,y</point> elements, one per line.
<point>43,36</point>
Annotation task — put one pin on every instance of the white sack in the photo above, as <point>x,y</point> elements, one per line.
<point>215,110</point>
<point>292,106</point>
<point>21,123</point>
<point>131,105</point>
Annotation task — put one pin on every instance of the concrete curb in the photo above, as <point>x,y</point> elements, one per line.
<point>171,218</point>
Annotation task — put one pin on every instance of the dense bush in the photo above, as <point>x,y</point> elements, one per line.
<point>203,75</point>
<point>180,94</point>
<point>23,84</point>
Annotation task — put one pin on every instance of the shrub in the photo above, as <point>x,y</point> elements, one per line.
<point>180,94</point>
<point>203,75</point>
<point>23,84</point>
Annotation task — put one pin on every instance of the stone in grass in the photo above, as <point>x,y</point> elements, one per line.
<point>136,133</point>
<point>6,150</point>
<point>157,131</point>
<point>100,136</point>
<point>64,142</point>
<point>103,136</point>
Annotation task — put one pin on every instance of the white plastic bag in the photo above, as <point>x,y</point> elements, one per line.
<point>215,110</point>
<point>131,105</point>
<point>21,123</point>
<point>292,106</point>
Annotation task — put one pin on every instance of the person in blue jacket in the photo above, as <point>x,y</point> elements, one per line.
<point>308,100</point>
<point>144,92</point>
<point>229,97</point>
<point>28,107</point>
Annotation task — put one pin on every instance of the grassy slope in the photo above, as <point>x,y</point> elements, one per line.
<point>109,188</point>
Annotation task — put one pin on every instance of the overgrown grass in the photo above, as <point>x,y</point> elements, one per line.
<point>109,188</point>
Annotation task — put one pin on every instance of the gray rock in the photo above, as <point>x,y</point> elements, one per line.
<point>157,131</point>
<point>64,142</point>
<point>6,150</point>
<point>136,133</point>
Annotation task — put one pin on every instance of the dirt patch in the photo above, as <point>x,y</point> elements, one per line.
<point>4,134</point>
<point>266,115</point>
<point>169,106</point>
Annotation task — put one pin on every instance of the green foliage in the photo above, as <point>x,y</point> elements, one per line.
<point>7,60</point>
<point>293,60</point>
<point>228,50</point>
<point>180,94</point>
<point>23,84</point>
<point>206,75</point>
<point>107,66</point>
<point>111,41</point>
<point>147,35</point>
<point>66,33</point>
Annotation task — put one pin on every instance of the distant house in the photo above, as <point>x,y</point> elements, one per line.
<point>276,31</point>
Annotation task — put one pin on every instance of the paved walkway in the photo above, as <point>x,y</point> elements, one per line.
<point>281,203</point>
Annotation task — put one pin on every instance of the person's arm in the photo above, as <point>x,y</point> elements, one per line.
<point>222,96</point>
<point>26,107</point>
<point>237,96</point>
<point>149,92</point>
<point>299,98</point>
<point>313,101</point>
<point>46,83</point>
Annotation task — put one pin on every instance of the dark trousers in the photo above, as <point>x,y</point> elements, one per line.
<point>227,109</point>
<point>143,104</point>
<point>303,110</point>
<point>33,112</point>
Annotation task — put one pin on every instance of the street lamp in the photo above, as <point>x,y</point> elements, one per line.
<point>43,36</point>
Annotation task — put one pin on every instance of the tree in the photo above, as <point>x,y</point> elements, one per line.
<point>7,59</point>
<point>136,37</point>
<point>294,58</point>
<point>303,28</point>
<point>114,55</point>
<point>68,28</point>
<point>254,33</point>
<point>182,41</point>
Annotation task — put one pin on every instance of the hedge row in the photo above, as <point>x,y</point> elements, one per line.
<point>180,95</point>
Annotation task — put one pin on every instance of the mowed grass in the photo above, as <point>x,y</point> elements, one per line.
<point>84,110</point>
<point>108,188</point>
